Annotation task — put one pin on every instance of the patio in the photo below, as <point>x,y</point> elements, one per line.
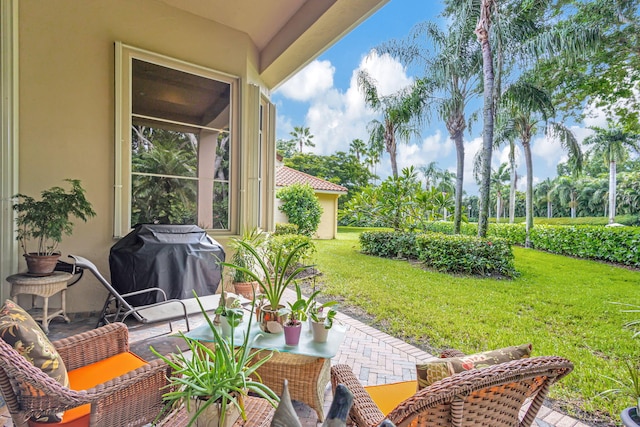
<point>376,357</point>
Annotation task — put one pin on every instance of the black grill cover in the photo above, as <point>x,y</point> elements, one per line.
<point>175,258</point>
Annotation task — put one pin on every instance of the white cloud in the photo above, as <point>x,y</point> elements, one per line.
<point>336,118</point>
<point>310,82</point>
<point>389,74</point>
<point>548,150</point>
<point>431,149</point>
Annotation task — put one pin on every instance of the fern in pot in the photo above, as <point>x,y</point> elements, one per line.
<point>212,380</point>
<point>45,221</point>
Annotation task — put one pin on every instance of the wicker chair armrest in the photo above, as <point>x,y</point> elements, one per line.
<point>452,352</point>
<point>134,398</point>
<point>92,346</point>
<point>143,385</point>
<point>364,412</point>
<point>538,372</point>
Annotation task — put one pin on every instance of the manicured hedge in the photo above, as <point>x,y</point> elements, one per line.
<point>450,253</point>
<point>467,254</point>
<point>614,244</point>
<point>389,244</point>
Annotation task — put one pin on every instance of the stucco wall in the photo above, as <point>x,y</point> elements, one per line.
<point>66,74</point>
<point>328,227</point>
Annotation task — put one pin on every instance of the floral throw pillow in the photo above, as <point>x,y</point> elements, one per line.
<point>437,369</point>
<point>19,330</point>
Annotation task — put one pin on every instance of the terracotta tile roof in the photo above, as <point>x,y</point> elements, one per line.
<point>286,176</point>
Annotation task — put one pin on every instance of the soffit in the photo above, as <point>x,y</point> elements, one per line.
<point>287,33</point>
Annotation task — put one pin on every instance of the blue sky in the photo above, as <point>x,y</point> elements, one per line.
<point>324,97</point>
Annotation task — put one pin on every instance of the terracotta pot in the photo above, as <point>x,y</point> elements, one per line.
<point>211,415</point>
<point>272,321</point>
<point>292,334</point>
<point>41,265</point>
<point>247,289</point>
<point>630,417</point>
<point>320,333</point>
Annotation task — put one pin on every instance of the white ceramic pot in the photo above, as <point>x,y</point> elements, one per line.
<point>630,417</point>
<point>320,333</point>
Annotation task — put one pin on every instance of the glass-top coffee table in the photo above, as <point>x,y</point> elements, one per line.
<point>307,366</point>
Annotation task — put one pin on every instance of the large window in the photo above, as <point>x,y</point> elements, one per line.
<point>177,153</point>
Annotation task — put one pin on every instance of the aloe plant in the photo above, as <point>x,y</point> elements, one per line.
<point>219,375</point>
<point>274,277</point>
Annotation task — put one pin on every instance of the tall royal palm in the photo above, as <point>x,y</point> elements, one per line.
<point>402,113</point>
<point>451,60</point>
<point>613,144</point>
<point>530,109</point>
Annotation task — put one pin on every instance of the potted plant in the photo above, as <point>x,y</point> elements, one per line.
<point>228,314</point>
<point>297,313</point>
<point>274,275</point>
<point>630,387</point>
<point>322,320</point>
<point>212,381</point>
<point>46,220</point>
<point>243,283</point>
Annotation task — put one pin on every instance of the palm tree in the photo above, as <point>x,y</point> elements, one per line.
<point>508,31</point>
<point>513,181</point>
<point>543,194</point>
<point>430,173</point>
<point>402,113</point>
<point>530,107</point>
<point>357,148</point>
<point>567,188</point>
<point>497,181</point>
<point>613,144</point>
<point>452,74</point>
<point>302,136</point>
<point>483,31</point>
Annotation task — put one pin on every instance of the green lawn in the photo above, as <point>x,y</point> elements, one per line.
<point>559,304</point>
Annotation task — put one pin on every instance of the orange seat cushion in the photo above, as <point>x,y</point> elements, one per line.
<point>388,396</point>
<point>90,376</point>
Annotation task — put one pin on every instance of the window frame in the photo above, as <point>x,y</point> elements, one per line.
<point>124,56</point>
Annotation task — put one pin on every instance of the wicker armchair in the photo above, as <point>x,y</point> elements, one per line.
<point>492,396</point>
<point>132,399</point>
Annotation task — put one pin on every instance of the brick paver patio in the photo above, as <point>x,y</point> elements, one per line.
<point>377,358</point>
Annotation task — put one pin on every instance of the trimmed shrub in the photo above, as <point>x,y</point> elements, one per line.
<point>301,206</point>
<point>288,242</point>
<point>515,234</point>
<point>446,227</point>
<point>467,254</point>
<point>285,228</point>
<point>613,244</point>
<point>389,244</point>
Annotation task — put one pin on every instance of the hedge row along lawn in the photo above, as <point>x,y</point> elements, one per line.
<point>561,305</point>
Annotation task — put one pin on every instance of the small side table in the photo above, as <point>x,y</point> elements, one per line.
<point>45,287</point>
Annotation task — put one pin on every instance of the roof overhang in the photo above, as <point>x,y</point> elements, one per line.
<point>287,33</point>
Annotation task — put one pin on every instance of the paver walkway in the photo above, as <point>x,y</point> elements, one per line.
<point>376,358</point>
